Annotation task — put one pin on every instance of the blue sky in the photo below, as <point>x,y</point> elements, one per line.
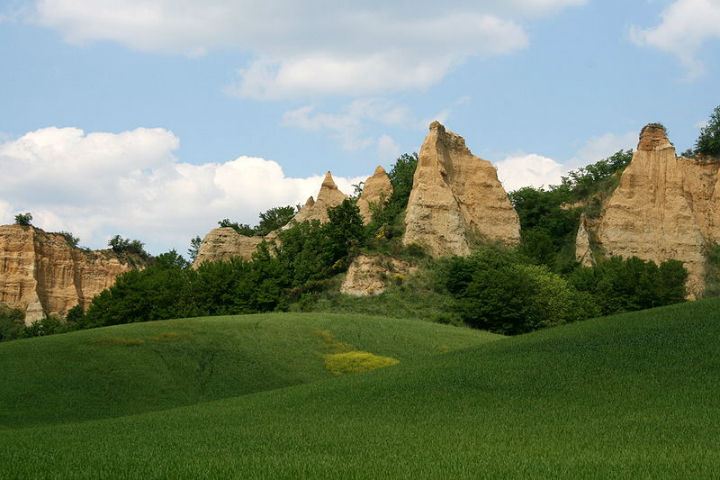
<point>155,120</point>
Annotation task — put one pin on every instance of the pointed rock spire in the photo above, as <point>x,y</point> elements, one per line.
<point>376,191</point>
<point>456,197</point>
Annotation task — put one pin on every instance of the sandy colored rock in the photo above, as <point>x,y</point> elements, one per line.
<point>456,198</point>
<point>664,207</point>
<point>376,191</point>
<point>371,274</point>
<point>329,196</point>
<point>225,243</point>
<point>41,273</point>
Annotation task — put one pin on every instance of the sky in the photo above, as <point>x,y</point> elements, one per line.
<point>156,119</point>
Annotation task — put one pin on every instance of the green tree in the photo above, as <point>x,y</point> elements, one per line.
<point>708,143</point>
<point>194,248</point>
<point>23,219</point>
<point>241,228</point>
<point>71,239</point>
<point>274,219</point>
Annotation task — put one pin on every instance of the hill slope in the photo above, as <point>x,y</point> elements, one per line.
<point>629,396</point>
<point>133,368</point>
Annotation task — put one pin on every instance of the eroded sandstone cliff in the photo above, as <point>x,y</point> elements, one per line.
<point>376,191</point>
<point>456,198</point>
<point>42,274</point>
<point>370,274</point>
<point>664,207</point>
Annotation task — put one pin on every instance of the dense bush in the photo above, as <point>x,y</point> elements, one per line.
<point>12,322</point>
<point>270,221</point>
<point>124,246</point>
<point>622,285</point>
<point>498,290</point>
<point>279,273</point>
<point>23,219</point>
<point>388,219</point>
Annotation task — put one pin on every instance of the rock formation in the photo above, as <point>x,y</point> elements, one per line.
<point>329,196</point>
<point>376,191</point>
<point>42,274</point>
<point>456,198</point>
<point>664,207</point>
<point>225,243</point>
<point>371,274</point>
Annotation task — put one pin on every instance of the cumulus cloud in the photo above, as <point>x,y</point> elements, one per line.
<point>529,170</point>
<point>100,184</point>
<point>685,26</point>
<point>314,46</point>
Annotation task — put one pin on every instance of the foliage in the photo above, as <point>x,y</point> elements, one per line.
<point>305,255</point>
<point>194,248</point>
<point>708,143</point>
<point>12,322</point>
<point>241,228</point>
<point>71,239</point>
<point>622,285</point>
<point>388,219</point>
<point>274,219</point>
<point>549,217</point>
<point>23,219</point>
<point>122,246</point>
<point>498,291</point>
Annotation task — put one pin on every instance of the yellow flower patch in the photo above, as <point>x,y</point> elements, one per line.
<point>356,362</point>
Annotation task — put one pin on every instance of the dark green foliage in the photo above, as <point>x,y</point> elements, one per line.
<point>12,322</point>
<point>241,228</point>
<point>498,291</point>
<point>273,219</point>
<point>388,220</point>
<point>708,143</point>
<point>23,219</point>
<point>270,221</point>
<point>194,248</point>
<point>72,240</point>
<point>306,254</point>
<point>549,217</point>
<point>623,285</point>
<point>124,246</point>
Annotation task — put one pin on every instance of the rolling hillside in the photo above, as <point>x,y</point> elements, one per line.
<point>628,396</point>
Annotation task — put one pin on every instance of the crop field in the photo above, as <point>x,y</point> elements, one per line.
<point>262,396</point>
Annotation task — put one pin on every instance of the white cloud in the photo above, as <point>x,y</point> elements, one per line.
<point>529,170</point>
<point>686,25</point>
<point>310,47</point>
<point>100,184</point>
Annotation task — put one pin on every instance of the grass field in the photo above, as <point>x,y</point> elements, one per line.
<point>628,396</point>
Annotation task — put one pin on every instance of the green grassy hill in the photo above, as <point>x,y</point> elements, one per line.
<point>133,368</point>
<point>628,396</point>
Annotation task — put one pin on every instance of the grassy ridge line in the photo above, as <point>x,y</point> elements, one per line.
<point>629,396</point>
<point>127,369</point>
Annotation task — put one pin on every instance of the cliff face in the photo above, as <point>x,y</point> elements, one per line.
<point>377,190</point>
<point>664,207</point>
<point>225,243</point>
<point>456,197</point>
<point>42,274</point>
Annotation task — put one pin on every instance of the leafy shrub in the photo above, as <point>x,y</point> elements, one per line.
<point>122,246</point>
<point>622,285</point>
<point>498,291</point>
<point>12,322</point>
<point>71,239</point>
<point>23,219</point>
